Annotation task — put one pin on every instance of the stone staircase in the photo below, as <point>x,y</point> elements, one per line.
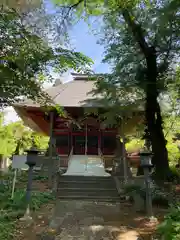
<point>87,188</point>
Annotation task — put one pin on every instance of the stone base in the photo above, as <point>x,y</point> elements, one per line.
<point>27,217</point>
<point>153,220</point>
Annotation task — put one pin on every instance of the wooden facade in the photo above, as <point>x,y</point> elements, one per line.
<point>86,137</point>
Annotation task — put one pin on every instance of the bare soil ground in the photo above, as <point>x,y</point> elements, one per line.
<point>125,222</point>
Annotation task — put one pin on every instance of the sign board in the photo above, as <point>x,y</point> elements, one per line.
<point>19,162</point>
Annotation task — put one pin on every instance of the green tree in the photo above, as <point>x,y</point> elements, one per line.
<point>142,46</point>
<point>7,140</point>
<point>15,138</point>
<point>171,115</point>
<point>25,59</point>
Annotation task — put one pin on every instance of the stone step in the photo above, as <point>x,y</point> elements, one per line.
<point>84,178</point>
<point>88,192</point>
<point>90,198</point>
<point>88,189</point>
<point>85,185</point>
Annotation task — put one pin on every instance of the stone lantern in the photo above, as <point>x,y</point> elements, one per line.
<point>146,164</point>
<point>146,159</point>
<point>31,160</point>
<point>31,157</point>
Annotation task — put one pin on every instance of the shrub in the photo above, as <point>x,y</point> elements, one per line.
<point>173,153</point>
<point>169,229</point>
<point>159,197</point>
<point>12,209</point>
<point>134,145</point>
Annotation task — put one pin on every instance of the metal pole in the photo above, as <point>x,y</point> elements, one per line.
<point>50,149</point>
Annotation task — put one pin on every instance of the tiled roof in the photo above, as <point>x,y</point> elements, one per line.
<point>76,93</point>
<point>72,94</point>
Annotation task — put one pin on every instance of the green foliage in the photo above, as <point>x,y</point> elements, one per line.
<point>25,58</point>
<point>131,189</point>
<point>173,87</point>
<point>173,153</point>
<point>137,44</point>
<point>93,8</point>
<point>12,209</point>
<point>172,125</point>
<point>16,138</point>
<point>160,195</point>
<point>175,173</point>
<point>134,145</point>
<point>169,229</point>
<point>171,128</point>
<point>121,21</point>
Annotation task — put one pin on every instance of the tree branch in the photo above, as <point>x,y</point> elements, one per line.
<point>137,32</point>
<point>73,6</point>
<point>76,4</point>
<point>69,9</point>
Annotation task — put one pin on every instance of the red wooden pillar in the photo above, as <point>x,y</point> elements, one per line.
<point>71,137</point>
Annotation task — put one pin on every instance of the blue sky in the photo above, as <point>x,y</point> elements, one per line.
<point>86,42</point>
<point>82,39</point>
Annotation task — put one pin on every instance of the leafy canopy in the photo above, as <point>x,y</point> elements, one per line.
<point>128,29</point>
<point>25,59</point>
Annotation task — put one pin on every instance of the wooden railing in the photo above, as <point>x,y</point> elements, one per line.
<point>101,155</point>
<point>70,154</point>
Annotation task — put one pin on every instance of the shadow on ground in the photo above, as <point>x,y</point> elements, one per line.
<point>81,220</point>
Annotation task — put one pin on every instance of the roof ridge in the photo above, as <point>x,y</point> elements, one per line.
<point>62,90</point>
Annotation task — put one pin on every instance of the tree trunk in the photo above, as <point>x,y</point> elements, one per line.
<point>152,109</point>
<point>154,119</point>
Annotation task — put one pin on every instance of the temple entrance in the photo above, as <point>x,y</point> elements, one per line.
<point>79,143</point>
<point>84,165</point>
<point>92,145</point>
